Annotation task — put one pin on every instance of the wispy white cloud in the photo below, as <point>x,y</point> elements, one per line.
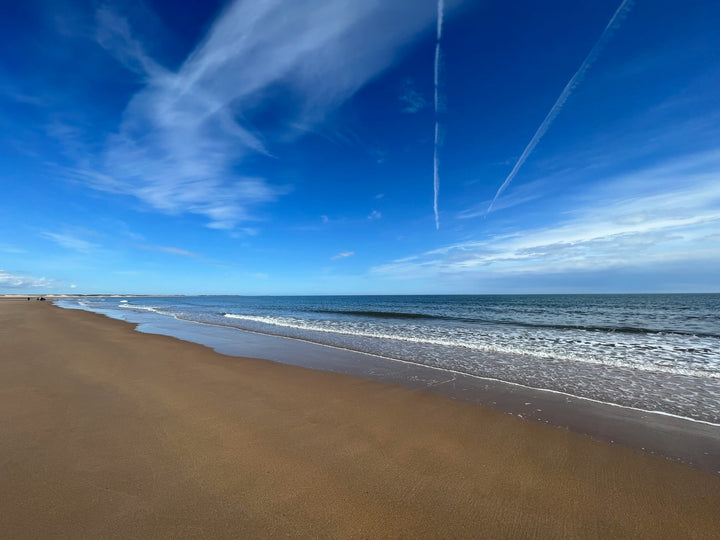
<point>114,34</point>
<point>522,194</point>
<point>654,217</point>
<point>11,249</point>
<point>245,231</point>
<point>343,255</point>
<point>185,135</point>
<point>413,101</point>
<point>615,21</point>
<point>16,281</point>
<point>375,215</point>
<point>173,250</point>
<point>20,96</point>
<point>70,241</point>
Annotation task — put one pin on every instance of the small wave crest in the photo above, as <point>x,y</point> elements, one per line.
<point>382,314</point>
<point>512,322</point>
<point>142,308</point>
<point>512,348</point>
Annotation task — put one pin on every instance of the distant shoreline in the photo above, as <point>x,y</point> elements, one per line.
<point>52,295</point>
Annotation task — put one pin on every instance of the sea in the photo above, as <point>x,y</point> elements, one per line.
<point>653,352</point>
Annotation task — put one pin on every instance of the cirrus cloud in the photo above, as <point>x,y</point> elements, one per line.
<point>343,255</point>
<point>187,133</point>
<point>666,214</point>
<point>17,281</point>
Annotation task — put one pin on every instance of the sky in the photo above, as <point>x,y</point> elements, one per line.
<point>345,147</point>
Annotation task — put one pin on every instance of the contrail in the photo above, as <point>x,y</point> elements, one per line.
<point>440,10</point>
<point>436,178</point>
<point>569,87</point>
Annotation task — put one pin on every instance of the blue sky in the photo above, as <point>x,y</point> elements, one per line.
<point>283,147</point>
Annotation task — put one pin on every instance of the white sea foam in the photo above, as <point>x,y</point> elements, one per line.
<point>538,345</point>
<point>143,308</point>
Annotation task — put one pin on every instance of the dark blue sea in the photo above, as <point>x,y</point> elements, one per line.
<point>656,352</point>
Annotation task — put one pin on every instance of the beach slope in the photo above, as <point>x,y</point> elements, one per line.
<point>105,431</point>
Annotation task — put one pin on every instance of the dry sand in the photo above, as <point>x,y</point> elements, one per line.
<point>108,432</point>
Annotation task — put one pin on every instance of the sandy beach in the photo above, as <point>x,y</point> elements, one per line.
<point>107,432</point>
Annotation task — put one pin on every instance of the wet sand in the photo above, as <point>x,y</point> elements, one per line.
<point>109,432</point>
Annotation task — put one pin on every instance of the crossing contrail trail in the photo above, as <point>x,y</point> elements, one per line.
<point>569,87</point>
<point>436,178</point>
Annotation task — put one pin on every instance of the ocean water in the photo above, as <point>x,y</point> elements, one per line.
<point>652,352</point>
